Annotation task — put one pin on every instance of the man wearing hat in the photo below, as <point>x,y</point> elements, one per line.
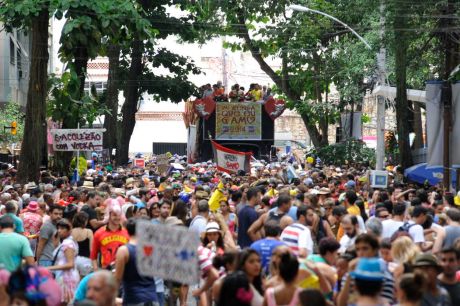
<point>368,280</point>
<point>428,265</point>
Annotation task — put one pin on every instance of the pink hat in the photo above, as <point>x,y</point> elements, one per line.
<point>33,206</point>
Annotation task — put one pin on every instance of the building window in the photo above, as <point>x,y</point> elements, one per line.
<point>12,52</point>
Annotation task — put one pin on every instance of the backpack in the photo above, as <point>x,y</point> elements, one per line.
<point>406,227</point>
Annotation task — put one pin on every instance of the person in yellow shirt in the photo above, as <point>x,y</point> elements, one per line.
<point>352,209</point>
<point>350,199</point>
<point>256,93</point>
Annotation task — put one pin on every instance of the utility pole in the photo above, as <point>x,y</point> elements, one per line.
<point>224,66</point>
<point>381,62</point>
<point>352,114</point>
<point>446,25</point>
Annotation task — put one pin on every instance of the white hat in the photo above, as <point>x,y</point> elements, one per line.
<point>212,227</point>
<point>7,187</point>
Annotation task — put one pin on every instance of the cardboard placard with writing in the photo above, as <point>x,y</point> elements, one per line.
<point>77,139</point>
<point>168,252</point>
<point>162,163</point>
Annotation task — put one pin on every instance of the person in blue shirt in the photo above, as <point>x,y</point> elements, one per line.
<point>247,216</point>
<point>266,246</point>
<point>10,209</point>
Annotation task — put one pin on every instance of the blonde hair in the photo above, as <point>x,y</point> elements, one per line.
<point>404,250</point>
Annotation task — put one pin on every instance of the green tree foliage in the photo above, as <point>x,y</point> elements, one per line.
<point>415,42</point>
<point>32,16</point>
<point>63,107</point>
<point>315,52</point>
<point>68,112</point>
<point>90,23</point>
<point>351,152</point>
<point>142,58</point>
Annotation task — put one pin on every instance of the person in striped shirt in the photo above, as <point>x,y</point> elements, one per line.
<point>297,235</point>
<point>209,275</point>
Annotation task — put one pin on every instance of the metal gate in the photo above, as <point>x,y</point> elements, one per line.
<point>172,147</point>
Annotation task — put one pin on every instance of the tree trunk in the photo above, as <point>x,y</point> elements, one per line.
<point>312,130</point>
<point>110,121</point>
<point>418,129</point>
<point>132,95</point>
<point>323,122</point>
<point>34,142</point>
<point>402,106</point>
<point>81,64</point>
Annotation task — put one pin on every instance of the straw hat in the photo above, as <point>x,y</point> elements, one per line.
<point>324,191</point>
<point>119,192</point>
<point>129,182</point>
<point>173,221</point>
<point>88,185</point>
<point>31,185</point>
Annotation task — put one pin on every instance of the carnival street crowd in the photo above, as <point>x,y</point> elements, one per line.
<point>322,237</point>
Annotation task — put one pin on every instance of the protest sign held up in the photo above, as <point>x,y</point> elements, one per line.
<point>167,252</point>
<point>77,139</point>
<point>163,162</point>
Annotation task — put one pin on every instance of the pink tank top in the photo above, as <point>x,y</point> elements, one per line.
<point>271,301</point>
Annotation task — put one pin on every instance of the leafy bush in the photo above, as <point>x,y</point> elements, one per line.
<point>350,152</point>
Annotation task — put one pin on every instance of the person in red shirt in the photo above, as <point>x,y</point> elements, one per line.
<point>108,239</point>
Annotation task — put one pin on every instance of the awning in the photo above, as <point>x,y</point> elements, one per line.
<point>389,92</point>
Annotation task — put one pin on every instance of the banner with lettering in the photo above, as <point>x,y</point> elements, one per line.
<point>238,121</point>
<point>77,139</point>
<point>231,161</point>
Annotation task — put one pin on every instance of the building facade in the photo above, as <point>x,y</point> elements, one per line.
<point>15,56</point>
<point>15,50</point>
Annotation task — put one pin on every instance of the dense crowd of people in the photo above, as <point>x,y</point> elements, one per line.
<point>237,93</point>
<point>323,237</point>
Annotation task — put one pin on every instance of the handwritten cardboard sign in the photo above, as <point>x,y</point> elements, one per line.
<point>168,252</point>
<point>77,139</point>
<point>163,163</point>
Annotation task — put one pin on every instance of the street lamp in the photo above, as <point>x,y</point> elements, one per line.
<point>300,8</point>
<point>380,152</point>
